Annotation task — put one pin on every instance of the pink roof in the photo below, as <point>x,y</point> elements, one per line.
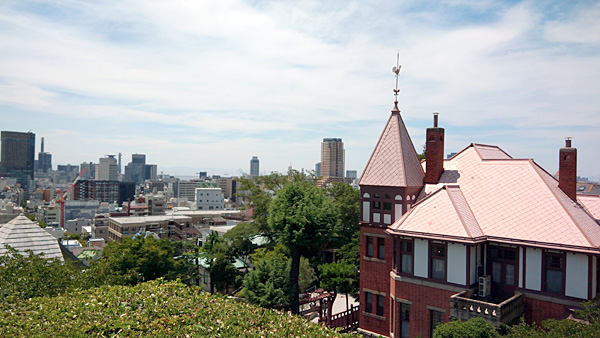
<point>591,203</point>
<point>394,162</point>
<point>507,199</point>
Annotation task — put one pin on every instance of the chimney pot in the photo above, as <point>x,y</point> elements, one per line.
<point>568,142</point>
<point>435,120</point>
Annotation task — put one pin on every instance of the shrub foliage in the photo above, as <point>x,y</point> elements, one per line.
<point>152,309</point>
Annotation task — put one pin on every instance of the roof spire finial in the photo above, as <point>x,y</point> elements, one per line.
<point>396,71</point>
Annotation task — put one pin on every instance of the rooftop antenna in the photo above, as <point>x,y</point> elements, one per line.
<point>396,71</point>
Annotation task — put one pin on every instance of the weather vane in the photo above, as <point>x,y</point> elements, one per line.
<point>396,71</point>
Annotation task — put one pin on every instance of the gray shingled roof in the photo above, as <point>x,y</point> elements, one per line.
<point>23,234</point>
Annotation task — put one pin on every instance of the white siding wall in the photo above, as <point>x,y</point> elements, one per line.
<point>533,275</point>
<point>576,283</point>
<point>457,263</point>
<point>521,267</point>
<point>421,258</point>
<point>366,212</point>
<point>473,266</point>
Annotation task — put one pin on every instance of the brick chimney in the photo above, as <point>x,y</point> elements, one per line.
<point>434,152</point>
<point>567,170</point>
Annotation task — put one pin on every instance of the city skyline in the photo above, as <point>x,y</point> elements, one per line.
<point>208,85</point>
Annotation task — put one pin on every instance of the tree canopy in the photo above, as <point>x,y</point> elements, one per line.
<point>268,285</point>
<point>136,260</point>
<point>302,217</point>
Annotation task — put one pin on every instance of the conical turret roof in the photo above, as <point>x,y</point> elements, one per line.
<point>394,162</point>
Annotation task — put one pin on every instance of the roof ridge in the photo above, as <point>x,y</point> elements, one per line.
<point>458,212</point>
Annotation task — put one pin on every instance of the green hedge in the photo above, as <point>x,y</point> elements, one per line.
<point>152,309</point>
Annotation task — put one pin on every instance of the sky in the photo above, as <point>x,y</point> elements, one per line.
<point>206,85</point>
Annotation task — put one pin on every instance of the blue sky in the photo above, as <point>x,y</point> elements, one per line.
<point>209,84</point>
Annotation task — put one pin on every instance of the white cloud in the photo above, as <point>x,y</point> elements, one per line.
<point>191,82</point>
<point>583,27</point>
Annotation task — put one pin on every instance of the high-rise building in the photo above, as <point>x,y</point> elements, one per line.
<point>254,171</point>
<point>151,172</point>
<point>44,160</point>
<point>332,158</point>
<point>352,174</point>
<point>318,168</point>
<point>135,171</point>
<point>107,169</point>
<point>90,170</point>
<point>18,156</point>
<point>103,191</point>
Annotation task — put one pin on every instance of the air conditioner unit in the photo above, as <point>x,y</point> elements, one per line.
<point>485,285</point>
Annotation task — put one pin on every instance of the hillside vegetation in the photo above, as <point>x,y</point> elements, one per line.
<point>153,309</point>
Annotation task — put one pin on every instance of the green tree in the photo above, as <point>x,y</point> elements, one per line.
<point>306,276</point>
<point>222,272</point>
<point>302,218</point>
<point>346,202</point>
<point>136,260</point>
<point>28,275</point>
<point>552,328</point>
<point>258,194</point>
<point>239,240</point>
<point>350,252</point>
<point>472,328</point>
<point>339,277</point>
<point>422,154</point>
<point>268,285</point>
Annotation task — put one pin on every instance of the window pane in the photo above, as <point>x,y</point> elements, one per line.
<point>553,281</point>
<point>510,274</point>
<point>496,271</point>
<point>438,268</point>
<point>369,246</point>
<point>369,302</point>
<point>510,255</point>
<point>381,249</point>
<point>436,319</point>
<point>438,251</point>
<point>407,263</point>
<point>554,262</point>
<point>380,305</point>
<point>405,321</point>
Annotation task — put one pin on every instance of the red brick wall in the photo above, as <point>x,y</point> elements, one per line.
<point>374,276</point>
<point>567,171</point>
<point>434,155</point>
<point>421,297</point>
<point>538,310</point>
